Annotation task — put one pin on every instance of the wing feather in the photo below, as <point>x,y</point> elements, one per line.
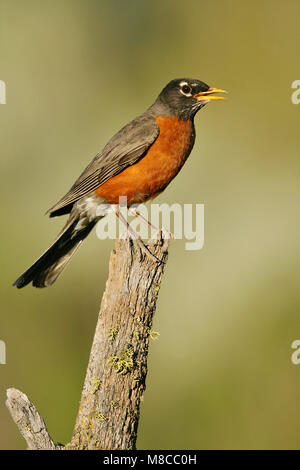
<point>124,149</point>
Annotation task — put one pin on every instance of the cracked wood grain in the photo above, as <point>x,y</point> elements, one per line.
<point>29,421</point>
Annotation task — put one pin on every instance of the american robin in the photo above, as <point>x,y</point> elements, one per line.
<point>138,163</point>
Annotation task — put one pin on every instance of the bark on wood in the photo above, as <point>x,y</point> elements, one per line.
<point>29,421</point>
<point>109,410</point>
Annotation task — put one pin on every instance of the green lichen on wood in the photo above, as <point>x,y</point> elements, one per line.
<point>154,335</point>
<point>125,362</point>
<point>113,333</point>
<point>96,385</point>
<point>100,416</point>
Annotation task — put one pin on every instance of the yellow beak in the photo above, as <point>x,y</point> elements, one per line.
<point>206,95</point>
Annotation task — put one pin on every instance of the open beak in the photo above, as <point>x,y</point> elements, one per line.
<point>207,95</point>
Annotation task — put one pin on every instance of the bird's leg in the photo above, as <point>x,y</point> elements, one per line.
<point>139,242</point>
<point>128,228</point>
<point>166,233</point>
<point>140,216</point>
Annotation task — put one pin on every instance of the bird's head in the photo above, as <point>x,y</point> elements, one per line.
<point>183,97</point>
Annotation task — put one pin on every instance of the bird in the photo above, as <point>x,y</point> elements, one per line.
<point>138,163</point>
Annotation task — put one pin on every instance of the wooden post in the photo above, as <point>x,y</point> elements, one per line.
<point>109,410</point>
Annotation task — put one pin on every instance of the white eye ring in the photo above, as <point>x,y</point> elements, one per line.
<point>185,89</point>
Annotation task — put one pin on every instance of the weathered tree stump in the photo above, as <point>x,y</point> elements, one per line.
<point>109,410</point>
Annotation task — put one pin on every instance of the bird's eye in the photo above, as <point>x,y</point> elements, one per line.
<point>186,89</point>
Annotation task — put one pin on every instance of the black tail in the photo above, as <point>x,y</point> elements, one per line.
<point>50,265</point>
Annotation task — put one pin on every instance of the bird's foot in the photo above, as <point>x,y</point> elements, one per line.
<point>146,250</point>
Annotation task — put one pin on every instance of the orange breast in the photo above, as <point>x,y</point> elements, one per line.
<point>149,176</point>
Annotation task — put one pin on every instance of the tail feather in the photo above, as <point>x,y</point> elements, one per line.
<point>51,264</point>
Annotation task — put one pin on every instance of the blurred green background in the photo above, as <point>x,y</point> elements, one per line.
<point>220,374</point>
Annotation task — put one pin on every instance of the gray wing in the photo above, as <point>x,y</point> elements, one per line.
<point>124,149</point>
